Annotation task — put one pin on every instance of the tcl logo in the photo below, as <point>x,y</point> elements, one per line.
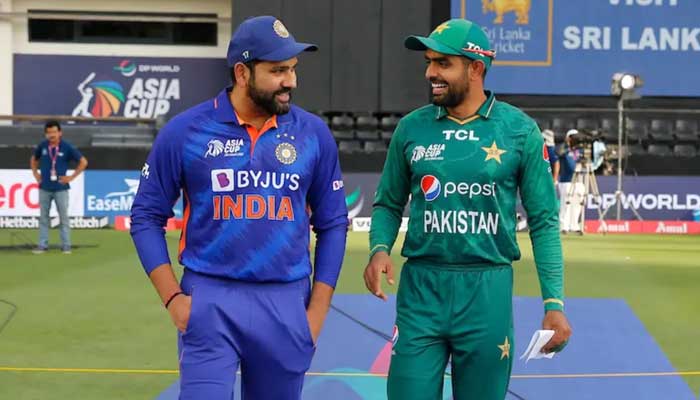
<point>19,195</point>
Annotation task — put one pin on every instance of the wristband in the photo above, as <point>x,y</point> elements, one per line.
<point>167,303</point>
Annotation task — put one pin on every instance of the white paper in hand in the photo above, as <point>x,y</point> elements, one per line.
<point>539,339</point>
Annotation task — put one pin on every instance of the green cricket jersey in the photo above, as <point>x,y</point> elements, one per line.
<point>463,178</point>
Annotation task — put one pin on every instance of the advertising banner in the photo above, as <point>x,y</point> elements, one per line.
<point>574,47</point>
<point>111,193</point>
<point>19,194</point>
<point>134,87</point>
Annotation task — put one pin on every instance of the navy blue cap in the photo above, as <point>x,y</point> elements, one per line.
<point>263,38</point>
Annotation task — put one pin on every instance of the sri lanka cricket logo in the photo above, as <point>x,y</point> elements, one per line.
<point>521,8</point>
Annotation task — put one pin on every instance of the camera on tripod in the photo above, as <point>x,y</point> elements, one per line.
<point>582,140</point>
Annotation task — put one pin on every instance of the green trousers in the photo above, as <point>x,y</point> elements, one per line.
<point>462,314</point>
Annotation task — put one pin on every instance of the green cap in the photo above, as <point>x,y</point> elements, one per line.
<point>457,37</point>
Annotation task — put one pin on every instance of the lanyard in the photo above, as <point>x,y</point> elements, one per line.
<point>53,154</point>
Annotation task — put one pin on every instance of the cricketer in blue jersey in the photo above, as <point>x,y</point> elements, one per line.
<point>249,165</point>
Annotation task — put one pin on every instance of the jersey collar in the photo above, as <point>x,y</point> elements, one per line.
<point>484,111</point>
<point>224,112</point>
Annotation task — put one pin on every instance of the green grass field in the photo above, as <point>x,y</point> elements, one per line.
<point>95,309</point>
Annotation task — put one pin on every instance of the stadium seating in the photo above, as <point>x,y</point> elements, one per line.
<point>367,135</point>
<point>349,145</point>
<point>685,150</point>
<point>342,123</point>
<point>375,146</point>
<point>659,150</point>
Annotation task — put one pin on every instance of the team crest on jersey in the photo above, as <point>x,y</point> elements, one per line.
<point>286,153</point>
<point>432,153</point>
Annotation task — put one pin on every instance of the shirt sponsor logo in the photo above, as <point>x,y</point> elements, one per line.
<point>228,180</point>
<point>430,186</point>
<point>460,134</point>
<point>432,153</point>
<point>337,185</point>
<point>252,206</point>
<point>545,153</point>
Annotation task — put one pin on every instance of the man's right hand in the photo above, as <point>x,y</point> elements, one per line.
<point>37,176</point>
<point>380,263</point>
<point>179,310</point>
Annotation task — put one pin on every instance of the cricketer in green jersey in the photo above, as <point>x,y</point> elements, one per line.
<point>463,161</point>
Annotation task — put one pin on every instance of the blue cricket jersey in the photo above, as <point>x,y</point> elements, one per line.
<point>249,196</point>
<point>64,155</point>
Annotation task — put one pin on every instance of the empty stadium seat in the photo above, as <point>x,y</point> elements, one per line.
<point>366,122</point>
<point>659,150</point>
<point>376,145</point>
<point>587,124</point>
<point>636,136</point>
<point>367,134</point>
<point>386,135</point>
<point>343,134</point>
<point>637,125</point>
<point>634,150</point>
<point>685,150</point>
<point>349,145</point>
<point>609,125</point>
<point>687,137</point>
<point>660,125</point>
<point>342,123</point>
<point>389,122</point>
<point>561,125</point>
<point>686,126</point>
<point>661,136</point>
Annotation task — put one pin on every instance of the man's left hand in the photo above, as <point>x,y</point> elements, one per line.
<point>65,179</point>
<point>556,321</point>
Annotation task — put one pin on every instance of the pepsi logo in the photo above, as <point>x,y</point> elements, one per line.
<point>430,186</point>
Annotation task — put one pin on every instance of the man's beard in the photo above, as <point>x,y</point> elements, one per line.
<point>267,100</point>
<point>455,95</point>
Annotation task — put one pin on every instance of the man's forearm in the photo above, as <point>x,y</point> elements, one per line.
<point>80,168</point>
<point>320,302</point>
<point>163,279</point>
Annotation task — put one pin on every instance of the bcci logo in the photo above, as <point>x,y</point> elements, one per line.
<point>280,29</point>
<point>286,153</point>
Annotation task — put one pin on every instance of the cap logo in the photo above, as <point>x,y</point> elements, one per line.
<point>441,28</point>
<point>476,49</point>
<point>280,29</point>
<point>246,54</point>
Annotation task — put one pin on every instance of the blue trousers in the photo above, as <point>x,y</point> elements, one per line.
<point>61,199</point>
<point>261,327</point>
